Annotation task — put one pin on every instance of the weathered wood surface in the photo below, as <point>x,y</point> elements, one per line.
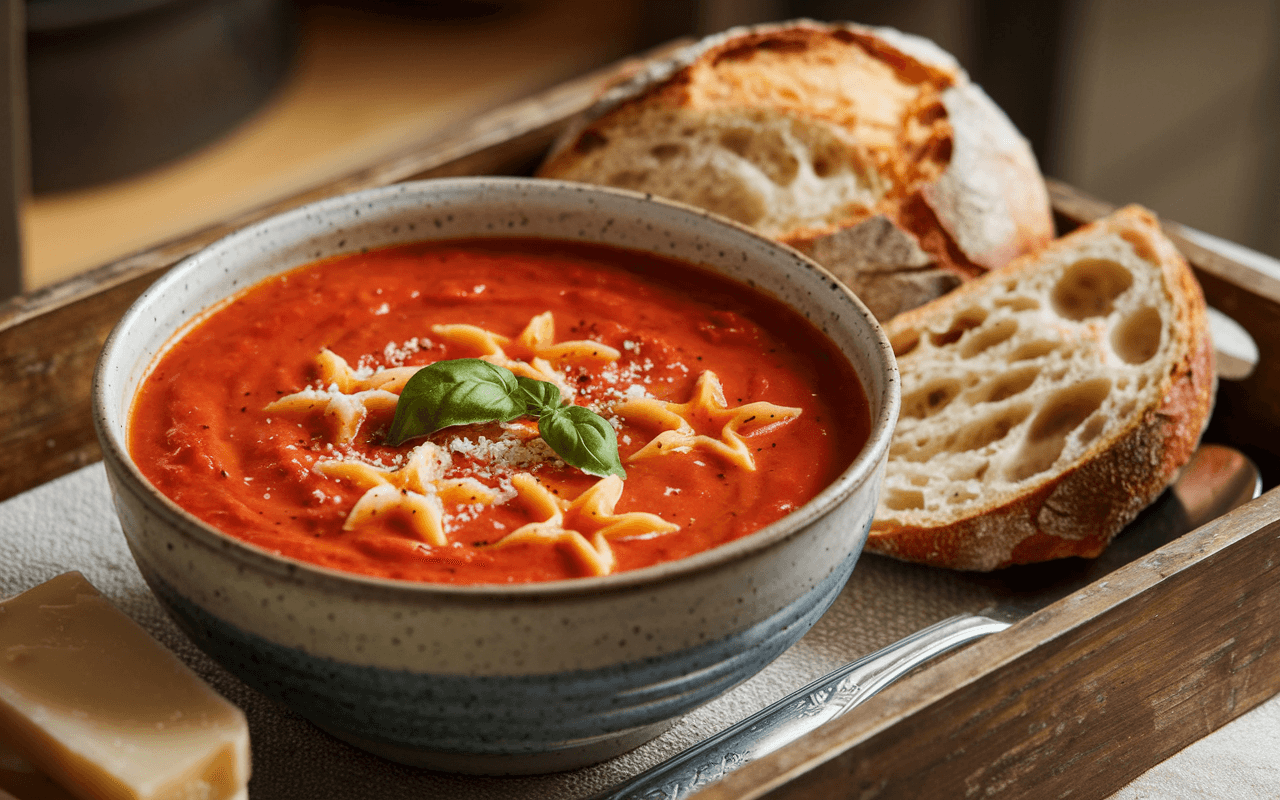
<point>1078,699</point>
<point>1075,701</point>
<point>1081,698</point>
<point>15,162</point>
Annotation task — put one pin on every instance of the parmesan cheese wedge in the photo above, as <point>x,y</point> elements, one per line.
<point>104,709</point>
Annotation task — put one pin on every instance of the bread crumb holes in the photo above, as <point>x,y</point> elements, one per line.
<point>1061,414</point>
<point>990,430</point>
<point>987,337</point>
<point>1092,429</point>
<point>1137,338</point>
<point>736,140</point>
<point>1009,384</point>
<point>904,500</point>
<point>1089,287</point>
<point>667,151</point>
<point>930,399</point>
<point>1017,303</point>
<point>629,179</point>
<point>963,322</point>
<point>767,151</point>
<point>1031,350</point>
<point>904,343</point>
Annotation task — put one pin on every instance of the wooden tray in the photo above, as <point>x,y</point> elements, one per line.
<point>1078,699</point>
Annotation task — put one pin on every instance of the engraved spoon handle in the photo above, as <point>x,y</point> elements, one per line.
<point>799,713</point>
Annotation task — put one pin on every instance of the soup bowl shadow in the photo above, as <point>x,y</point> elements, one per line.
<point>494,679</point>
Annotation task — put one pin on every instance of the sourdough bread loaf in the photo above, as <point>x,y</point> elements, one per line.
<point>1046,403</point>
<point>866,148</point>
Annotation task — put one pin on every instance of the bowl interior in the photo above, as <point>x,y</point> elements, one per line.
<point>499,207</point>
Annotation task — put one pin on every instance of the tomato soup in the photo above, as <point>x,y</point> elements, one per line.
<point>269,418</point>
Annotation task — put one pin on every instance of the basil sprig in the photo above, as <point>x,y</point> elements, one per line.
<point>467,391</point>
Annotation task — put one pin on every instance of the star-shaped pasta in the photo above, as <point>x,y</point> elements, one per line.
<point>569,524</point>
<point>335,371</point>
<point>538,337</point>
<point>347,398</point>
<point>416,490</point>
<point>537,342</point>
<point>346,412</point>
<point>687,424</point>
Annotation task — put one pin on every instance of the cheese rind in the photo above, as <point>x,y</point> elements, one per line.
<point>100,706</point>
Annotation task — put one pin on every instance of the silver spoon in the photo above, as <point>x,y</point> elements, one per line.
<point>1216,480</point>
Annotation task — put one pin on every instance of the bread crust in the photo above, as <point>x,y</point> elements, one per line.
<point>963,183</point>
<point>1077,510</point>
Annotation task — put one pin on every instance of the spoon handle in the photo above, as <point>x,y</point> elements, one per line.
<point>801,712</point>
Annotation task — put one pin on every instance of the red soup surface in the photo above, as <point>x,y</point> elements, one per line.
<point>268,419</point>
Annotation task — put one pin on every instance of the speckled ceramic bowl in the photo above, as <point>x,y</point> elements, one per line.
<point>495,679</point>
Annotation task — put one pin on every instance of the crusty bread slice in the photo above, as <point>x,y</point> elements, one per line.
<point>1045,404</point>
<point>866,148</point>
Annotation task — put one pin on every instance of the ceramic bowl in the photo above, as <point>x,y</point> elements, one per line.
<point>495,679</point>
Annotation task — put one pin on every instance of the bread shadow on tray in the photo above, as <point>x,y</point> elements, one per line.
<point>1021,589</point>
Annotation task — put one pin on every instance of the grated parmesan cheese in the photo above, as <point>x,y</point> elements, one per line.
<point>491,461</point>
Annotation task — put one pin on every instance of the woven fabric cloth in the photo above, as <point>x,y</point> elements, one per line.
<point>69,524</point>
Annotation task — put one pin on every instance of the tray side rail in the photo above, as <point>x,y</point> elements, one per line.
<point>1031,712</point>
<point>1076,700</point>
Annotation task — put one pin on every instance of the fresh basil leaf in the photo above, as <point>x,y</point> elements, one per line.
<point>539,396</point>
<point>456,392</point>
<point>583,439</point>
<point>469,390</point>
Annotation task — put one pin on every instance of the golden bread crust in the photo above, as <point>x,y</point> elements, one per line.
<point>806,130</point>
<point>1075,508</point>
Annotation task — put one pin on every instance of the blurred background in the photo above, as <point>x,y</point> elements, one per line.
<point>136,121</point>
